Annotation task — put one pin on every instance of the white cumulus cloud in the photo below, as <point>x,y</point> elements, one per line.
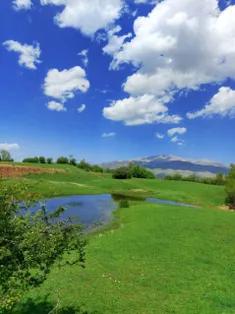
<point>180,45</point>
<point>115,42</point>
<point>222,104</point>
<point>54,2</point>
<point>174,131</point>
<point>160,136</point>
<point>82,108</point>
<point>28,54</point>
<point>8,146</point>
<point>88,16</point>
<point>144,109</point>
<point>22,4</point>
<point>63,85</point>
<point>112,134</point>
<point>84,55</point>
<point>56,106</point>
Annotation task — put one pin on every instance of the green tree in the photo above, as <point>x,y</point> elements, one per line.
<point>219,180</point>
<point>49,161</point>
<point>97,168</point>
<point>122,173</point>
<point>139,172</point>
<point>31,160</point>
<point>5,155</point>
<point>230,188</point>
<point>62,160</point>
<point>42,160</point>
<point>31,243</point>
<point>72,160</point>
<point>84,165</point>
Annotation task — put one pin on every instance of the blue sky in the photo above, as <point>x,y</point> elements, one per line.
<point>149,78</point>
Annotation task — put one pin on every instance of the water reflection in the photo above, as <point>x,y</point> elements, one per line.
<point>92,209</point>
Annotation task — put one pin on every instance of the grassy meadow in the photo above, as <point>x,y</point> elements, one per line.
<point>152,259</point>
<point>76,181</point>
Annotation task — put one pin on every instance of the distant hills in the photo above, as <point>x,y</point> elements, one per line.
<point>162,165</point>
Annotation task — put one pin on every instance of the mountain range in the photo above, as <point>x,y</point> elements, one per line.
<point>162,165</point>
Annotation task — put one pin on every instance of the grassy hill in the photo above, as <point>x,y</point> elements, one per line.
<point>153,259</point>
<point>76,181</point>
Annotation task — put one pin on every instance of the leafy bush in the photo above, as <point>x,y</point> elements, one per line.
<point>31,242</point>
<point>122,173</point>
<point>84,165</point>
<point>32,160</point>
<point>62,160</point>
<point>42,160</point>
<point>73,162</point>
<point>139,172</point>
<point>218,180</point>
<point>49,160</point>
<point>124,204</point>
<point>97,168</point>
<point>230,188</point>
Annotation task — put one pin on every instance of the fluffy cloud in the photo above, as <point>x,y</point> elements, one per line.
<point>28,54</point>
<point>144,109</point>
<point>177,140</point>
<point>222,103</point>
<point>8,146</point>
<point>115,42</point>
<point>56,106</point>
<point>84,55</point>
<point>88,16</point>
<point>180,45</point>
<point>55,2</point>
<point>112,134</point>
<point>160,136</point>
<point>174,131</point>
<point>22,4</point>
<point>82,108</point>
<point>63,85</point>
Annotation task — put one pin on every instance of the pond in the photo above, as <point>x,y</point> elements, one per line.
<point>94,208</point>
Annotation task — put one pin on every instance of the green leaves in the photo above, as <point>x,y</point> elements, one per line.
<point>31,243</point>
<point>230,188</point>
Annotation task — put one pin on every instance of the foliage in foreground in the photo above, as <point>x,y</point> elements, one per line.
<point>31,243</point>
<point>230,188</point>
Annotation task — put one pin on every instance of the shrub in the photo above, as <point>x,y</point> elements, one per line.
<point>139,172</point>
<point>31,160</point>
<point>124,204</point>
<point>122,173</point>
<point>42,160</point>
<point>31,243</point>
<point>49,160</point>
<point>62,160</point>
<point>73,162</point>
<point>97,168</point>
<point>230,188</point>
<point>84,165</point>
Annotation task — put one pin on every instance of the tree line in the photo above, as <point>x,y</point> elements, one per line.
<point>218,180</point>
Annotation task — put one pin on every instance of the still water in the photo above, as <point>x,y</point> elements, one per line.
<point>94,208</point>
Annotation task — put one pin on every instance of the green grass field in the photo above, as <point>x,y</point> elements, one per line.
<point>161,259</point>
<point>153,259</point>
<point>76,181</point>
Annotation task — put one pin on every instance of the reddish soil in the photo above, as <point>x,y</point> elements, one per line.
<point>17,171</point>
